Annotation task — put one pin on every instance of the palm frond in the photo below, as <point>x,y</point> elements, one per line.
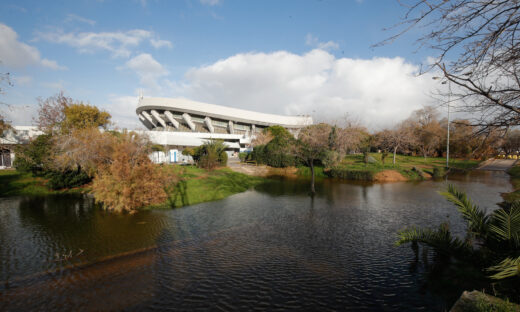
<point>507,268</point>
<point>505,224</point>
<point>441,240</point>
<point>476,218</point>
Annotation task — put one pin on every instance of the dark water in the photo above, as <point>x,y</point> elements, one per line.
<point>273,248</point>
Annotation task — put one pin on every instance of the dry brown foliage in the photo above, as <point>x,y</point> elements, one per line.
<point>130,180</point>
<point>87,149</point>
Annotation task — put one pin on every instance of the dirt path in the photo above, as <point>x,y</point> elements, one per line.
<point>497,164</point>
<point>259,170</point>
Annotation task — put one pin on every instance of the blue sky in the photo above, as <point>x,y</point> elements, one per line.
<point>287,57</point>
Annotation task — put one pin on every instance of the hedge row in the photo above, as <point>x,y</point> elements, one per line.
<point>350,174</point>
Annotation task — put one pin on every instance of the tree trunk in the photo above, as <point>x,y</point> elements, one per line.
<point>395,151</point>
<point>313,190</point>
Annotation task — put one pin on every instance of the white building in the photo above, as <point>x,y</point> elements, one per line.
<point>12,137</point>
<point>181,123</point>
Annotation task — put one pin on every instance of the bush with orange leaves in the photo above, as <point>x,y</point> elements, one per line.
<point>130,180</point>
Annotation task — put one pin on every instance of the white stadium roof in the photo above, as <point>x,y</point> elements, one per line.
<point>221,112</point>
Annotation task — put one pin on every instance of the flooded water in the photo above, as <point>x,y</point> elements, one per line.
<point>272,248</point>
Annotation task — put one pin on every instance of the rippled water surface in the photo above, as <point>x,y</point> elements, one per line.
<point>272,248</point>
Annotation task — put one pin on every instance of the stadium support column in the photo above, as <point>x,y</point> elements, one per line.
<point>156,115</point>
<point>149,118</point>
<point>174,122</point>
<point>230,128</point>
<point>145,121</point>
<point>187,119</point>
<point>207,121</point>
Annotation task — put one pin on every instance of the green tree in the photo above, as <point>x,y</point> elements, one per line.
<point>276,150</point>
<point>35,156</point>
<point>83,116</point>
<point>62,114</point>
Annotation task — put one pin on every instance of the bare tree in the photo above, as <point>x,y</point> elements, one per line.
<point>478,51</point>
<point>398,138</point>
<point>51,112</point>
<point>426,130</point>
<point>511,142</point>
<point>4,81</point>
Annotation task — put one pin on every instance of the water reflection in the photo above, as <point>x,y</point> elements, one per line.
<point>274,248</point>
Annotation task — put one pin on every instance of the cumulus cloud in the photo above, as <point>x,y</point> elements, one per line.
<point>210,2</point>
<point>23,80</point>
<point>76,18</point>
<point>379,91</point>
<point>16,54</point>
<point>158,43</point>
<point>122,109</point>
<point>119,44</point>
<point>148,70</point>
<point>313,41</point>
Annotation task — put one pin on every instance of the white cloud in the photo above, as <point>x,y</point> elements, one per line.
<point>210,2</point>
<point>52,64</point>
<point>122,109</point>
<point>23,80</point>
<point>158,43</point>
<point>58,85</point>
<point>313,41</point>
<point>119,44</point>
<point>379,91</point>
<point>148,70</point>
<point>76,18</point>
<point>14,53</point>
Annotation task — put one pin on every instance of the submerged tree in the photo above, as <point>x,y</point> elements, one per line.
<point>313,142</point>
<point>129,180</point>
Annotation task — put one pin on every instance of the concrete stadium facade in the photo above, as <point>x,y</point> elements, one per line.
<point>180,123</point>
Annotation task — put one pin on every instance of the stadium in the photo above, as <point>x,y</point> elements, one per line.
<point>180,123</point>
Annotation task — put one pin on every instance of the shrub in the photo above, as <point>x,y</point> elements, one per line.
<point>243,156</point>
<point>275,153</point>
<point>129,182</point>
<point>351,174</point>
<point>210,155</point>
<point>33,157</point>
<point>439,172</point>
<point>331,159</point>
<point>66,179</point>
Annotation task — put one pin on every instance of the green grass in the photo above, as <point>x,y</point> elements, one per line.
<point>194,186</point>
<point>14,183</point>
<point>306,172</point>
<point>198,185</point>
<point>353,168</point>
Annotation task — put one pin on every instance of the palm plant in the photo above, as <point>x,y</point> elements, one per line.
<point>492,240</point>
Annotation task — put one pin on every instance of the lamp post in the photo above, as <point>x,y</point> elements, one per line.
<point>448,135</point>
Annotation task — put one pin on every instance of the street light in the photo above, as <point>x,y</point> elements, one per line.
<point>448,138</point>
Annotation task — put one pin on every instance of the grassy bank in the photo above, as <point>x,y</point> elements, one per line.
<point>197,185</point>
<point>14,183</point>
<point>194,186</point>
<point>410,167</point>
